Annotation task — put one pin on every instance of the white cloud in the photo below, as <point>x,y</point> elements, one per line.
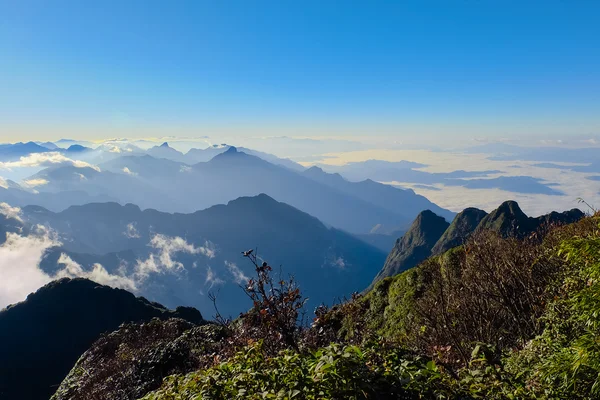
<point>19,265</point>
<point>167,247</point>
<point>10,212</point>
<point>3,183</point>
<point>212,279</point>
<point>98,274</point>
<point>129,172</point>
<point>131,231</point>
<point>338,262</point>
<point>20,258</point>
<point>35,182</point>
<point>45,160</point>
<point>238,275</point>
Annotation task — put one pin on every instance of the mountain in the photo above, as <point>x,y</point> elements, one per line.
<point>145,166</point>
<point>171,186</point>
<point>42,337</point>
<point>77,148</point>
<point>194,156</point>
<point>48,145</point>
<point>233,174</point>
<point>165,151</point>
<point>328,263</point>
<point>12,152</point>
<point>404,201</point>
<point>284,162</point>
<point>431,235</point>
<point>383,242</point>
<point>510,220</point>
<point>415,246</point>
<point>123,185</point>
<point>462,226</point>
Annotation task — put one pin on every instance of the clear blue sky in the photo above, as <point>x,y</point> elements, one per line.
<point>499,67</point>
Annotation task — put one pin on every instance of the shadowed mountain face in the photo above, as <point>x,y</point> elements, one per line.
<point>415,246</point>
<point>459,230</point>
<point>42,337</point>
<point>327,263</point>
<point>428,236</point>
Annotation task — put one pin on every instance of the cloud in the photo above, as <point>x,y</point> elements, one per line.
<point>3,183</point>
<point>129,172</point>
<point>20,258</point>
<point>338,262</point>
<point>131,231</point>
<point>98,274</point>
<point>35,182</point>
<point>10,212</point>
<point>212,279</point>
<point>238,275</point>
<point>45,160</point>
<point>167,247</point>
<point>19,264</point>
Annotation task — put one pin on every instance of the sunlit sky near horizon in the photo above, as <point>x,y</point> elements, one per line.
<point>439,70</point>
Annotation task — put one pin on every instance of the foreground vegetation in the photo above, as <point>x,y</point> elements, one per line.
<point>497,318</point>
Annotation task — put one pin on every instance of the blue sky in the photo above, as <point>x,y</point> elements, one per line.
<point>439,68</point>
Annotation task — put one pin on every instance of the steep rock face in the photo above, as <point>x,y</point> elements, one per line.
<point>463,225</point>
<point>415,246</point>
<point>42,337</point>
<point>132,361</point>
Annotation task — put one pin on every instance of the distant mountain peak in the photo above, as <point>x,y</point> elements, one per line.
<point>231,150</point>
<point>165,144</point>
<point>315,169</point>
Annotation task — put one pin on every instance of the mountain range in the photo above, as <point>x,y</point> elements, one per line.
<point>172,186</point>
<point>430,235</point>
<point>180,258</point>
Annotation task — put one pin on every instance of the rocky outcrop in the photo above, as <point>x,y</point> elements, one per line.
<point>132,361</point>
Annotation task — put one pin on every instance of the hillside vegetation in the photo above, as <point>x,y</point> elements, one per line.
<point>497,318</point>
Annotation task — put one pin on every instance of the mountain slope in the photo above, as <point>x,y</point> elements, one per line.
<point>415,246</point>
<point>42,337</point>
<point>165,151</point>
<point>403,201</point>
<point>328,263</point>
<point>459,230</point>
<point>429,236</point>
<point>171,186</point>
<point>233,174</point>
